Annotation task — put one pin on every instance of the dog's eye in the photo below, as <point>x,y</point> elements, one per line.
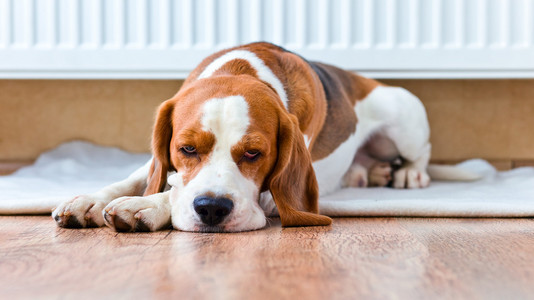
<point>188,150</point>
<point>252,155</point>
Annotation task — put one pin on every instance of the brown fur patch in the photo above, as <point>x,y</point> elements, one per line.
<point>342,90</point>
<point>292,183</point>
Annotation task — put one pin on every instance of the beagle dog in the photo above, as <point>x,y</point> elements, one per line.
<point>257,131</point>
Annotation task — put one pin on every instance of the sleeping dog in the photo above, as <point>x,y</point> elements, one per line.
<point>257,131</point>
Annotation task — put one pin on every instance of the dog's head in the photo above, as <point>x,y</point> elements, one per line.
<point>229,139</point>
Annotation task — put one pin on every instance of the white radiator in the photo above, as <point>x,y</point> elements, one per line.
<point>167,38</point>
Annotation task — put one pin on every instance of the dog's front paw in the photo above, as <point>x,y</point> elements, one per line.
<point>129,214</point>
<point>410,178</point>
<point>79,212</point>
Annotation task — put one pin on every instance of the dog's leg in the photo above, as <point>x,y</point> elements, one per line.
<point>128,214</point>
<point>397,120</point>
<point>410,132</point>
<point>86,210</point>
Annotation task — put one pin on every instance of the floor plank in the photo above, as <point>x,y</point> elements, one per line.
<point>378,258</point>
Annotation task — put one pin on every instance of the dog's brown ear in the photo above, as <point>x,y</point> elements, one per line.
<point>292,183</point>
<point>161,139</point>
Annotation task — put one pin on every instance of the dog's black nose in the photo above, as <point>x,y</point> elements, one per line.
<point>212,211</point>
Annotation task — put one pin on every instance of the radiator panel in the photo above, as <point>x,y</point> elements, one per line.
<point>168,38</point>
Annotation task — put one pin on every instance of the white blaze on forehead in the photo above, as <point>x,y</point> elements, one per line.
<point>263,72</point>
<point>227,118</point>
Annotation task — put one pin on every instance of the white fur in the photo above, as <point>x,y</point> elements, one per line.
<point>267,204</point>
<point>228,120</point>
<point>307,141</point>
<point>331,169</point>
<point>263,72</point>
<point>391,111</point>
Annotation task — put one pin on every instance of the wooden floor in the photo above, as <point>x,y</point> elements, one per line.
<point>378,258</point>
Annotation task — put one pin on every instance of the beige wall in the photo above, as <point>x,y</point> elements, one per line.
<point>492,119</point>
<point>38,115</point>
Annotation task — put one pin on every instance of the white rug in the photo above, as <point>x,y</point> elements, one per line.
<point>69,170</point>
<point>78,167</point>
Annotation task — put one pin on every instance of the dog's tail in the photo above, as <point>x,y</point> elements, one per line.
<point>451,173</point>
